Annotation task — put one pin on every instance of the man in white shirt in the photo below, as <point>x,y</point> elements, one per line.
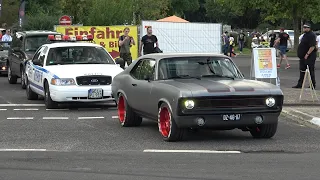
<point>7,36</point>
<point>300,37</point>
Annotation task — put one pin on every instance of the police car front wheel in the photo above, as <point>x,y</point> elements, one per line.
<point>50,104</point>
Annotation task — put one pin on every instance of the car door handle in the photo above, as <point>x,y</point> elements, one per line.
<point>134,84</point>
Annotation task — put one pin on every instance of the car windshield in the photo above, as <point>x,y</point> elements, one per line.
<point>78,55</point>
<point>195,67</point>
<point>32,43</point>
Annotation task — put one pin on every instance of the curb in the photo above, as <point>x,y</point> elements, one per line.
<point>302,104</point>
<point>301,116</point>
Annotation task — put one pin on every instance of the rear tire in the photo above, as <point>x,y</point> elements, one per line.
<point>264,131</point>
<point>23,79</point>
<point>30,94</point>
<point>50,104</point>
<point>167,125</point>
<point>127,116</point>
<point>12,79</point>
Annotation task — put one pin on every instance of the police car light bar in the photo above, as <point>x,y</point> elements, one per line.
<point>88,37</point>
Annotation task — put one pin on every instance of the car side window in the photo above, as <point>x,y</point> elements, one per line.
<point>144,69</point>
<point>37,54</point>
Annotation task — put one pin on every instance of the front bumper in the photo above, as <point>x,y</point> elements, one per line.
<point>78,93</point>
<point>216,120</point>
<point>3,67</point>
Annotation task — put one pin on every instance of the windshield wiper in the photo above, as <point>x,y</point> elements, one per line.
<point>218,75</point>
<point>184,77</point>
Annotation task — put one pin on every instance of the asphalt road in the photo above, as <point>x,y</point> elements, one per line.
<point>88,143</point>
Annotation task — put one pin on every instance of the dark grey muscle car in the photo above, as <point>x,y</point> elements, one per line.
<point>191,91</point>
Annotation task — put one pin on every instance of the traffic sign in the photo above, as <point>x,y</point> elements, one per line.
<point>65,20</point>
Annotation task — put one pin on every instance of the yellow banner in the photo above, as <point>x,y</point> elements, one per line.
<point>106,36</point>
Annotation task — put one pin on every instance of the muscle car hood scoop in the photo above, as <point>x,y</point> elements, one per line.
<point>206,85</point>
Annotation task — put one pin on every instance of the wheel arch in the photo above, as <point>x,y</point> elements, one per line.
<point>120,92</point>
<point>163,100</point>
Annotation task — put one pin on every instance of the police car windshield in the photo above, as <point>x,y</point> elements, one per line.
<point>78,55</point>
<point>32,43</point>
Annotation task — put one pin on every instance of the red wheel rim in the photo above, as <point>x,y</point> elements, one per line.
<point>121,109</point>
<point>164,121</point>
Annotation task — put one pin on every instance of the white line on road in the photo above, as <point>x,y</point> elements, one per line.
<point>17,105</point>
<point>115,117</point>
<point>91,117</point>
<point>25,109</point>
<point>3,109</point>
<point>22,150</point>
<point>89,108</point>
<point>57,109</point>
<point>55,118</point>
<point>18,118</point>
<point>192,151</point>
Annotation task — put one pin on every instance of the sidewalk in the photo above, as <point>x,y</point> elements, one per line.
<point>291,97</point>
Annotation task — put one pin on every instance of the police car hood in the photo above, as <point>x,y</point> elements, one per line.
<point>74,70</point>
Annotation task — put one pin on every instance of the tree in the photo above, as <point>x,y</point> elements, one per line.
<point>9,14</point>
<point>150,9</point>
<point>77,9</point>
<point>181,7</point>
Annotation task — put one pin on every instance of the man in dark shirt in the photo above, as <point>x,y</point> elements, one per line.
<point>272,37</point>
<point>307,54</point>
<point>225,43</point>
<point>283,45</point>
<point>241,40</point>
<point>147,42</point>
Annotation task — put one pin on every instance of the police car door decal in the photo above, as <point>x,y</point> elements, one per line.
<point>38,76</point>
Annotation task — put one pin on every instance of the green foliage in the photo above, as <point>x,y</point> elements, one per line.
<point>77,9</point>
<point>179,7</point>
<point>9,12</point>
<point>40,21</point>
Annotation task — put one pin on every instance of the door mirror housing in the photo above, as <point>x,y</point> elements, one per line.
<point>37,62</point>
<point>120,62</point>
<point>148,78</point>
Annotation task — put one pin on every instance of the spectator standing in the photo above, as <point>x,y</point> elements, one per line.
<point>226,43</point>
<point>272,37</point>
<point>232,45</point>
<point>283,46</point>
<point>7,36</point>
<point>307,53</point>
<point>125,43</point>
<point>241,40</point>
<point>147,42</point>
<point>318,45</point>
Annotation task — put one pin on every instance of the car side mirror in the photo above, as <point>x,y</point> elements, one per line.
<point>37,62</point>
<point>120,62</point>
<point>148,78</point>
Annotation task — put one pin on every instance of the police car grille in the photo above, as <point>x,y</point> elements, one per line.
<point>93,80</point>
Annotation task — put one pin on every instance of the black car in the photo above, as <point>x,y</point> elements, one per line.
<point>193,90</point>
<point>24,45</point>
<point>4,46</point>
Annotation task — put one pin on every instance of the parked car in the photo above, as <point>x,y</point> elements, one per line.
<point>192,90</point>
<point>69,71</point>
<point>4,46</point>
<point>24,45</point>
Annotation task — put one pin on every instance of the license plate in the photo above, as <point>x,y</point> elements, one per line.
<point>95,93</point>
<point>231,117</point>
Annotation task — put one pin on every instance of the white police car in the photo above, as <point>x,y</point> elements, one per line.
<point>70,72</point>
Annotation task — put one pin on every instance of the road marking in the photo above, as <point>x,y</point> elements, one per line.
<point>115,117</point>
<point>17,105</point>
<point>315,121</point>
<point>55,118</point>
<point>312,119</point>
<point>22,150</point>
<point>25,109</point>
<point>91,117</point>
<point>57,109</point>
<point>89,108</point>
<point>192,151</point>
<point>17,118</point>
<point>3,109</point>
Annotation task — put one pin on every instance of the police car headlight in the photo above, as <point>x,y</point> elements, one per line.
<point>270,102</point>
<point>63,82</point>
<point>189,104</point>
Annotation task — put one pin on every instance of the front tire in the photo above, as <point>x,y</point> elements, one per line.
<point>126,114</point>
<point>23,79</point>
<point>12,79</point>
<point>30,94</point>
<point>167,125</point>
<point>264,131</point>
<point>50,104</point>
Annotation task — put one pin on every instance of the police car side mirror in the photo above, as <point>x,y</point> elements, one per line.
<point>37,62</point>
<point>120,62</point>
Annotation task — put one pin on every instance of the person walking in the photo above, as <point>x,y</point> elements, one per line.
<point>232,45</point>
<point>226,43</point>
<point>283,46</point>
<point>147,42</point>
<point>125,43</point>
<point>307,53</point>
<point>7,36</point>
<point>241,40</point>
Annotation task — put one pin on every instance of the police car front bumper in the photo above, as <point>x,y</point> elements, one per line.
<point>79,93</point>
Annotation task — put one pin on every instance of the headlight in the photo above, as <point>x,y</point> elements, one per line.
<point>270,102</point>
<point>63,82</point>
<point>189,104</point>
